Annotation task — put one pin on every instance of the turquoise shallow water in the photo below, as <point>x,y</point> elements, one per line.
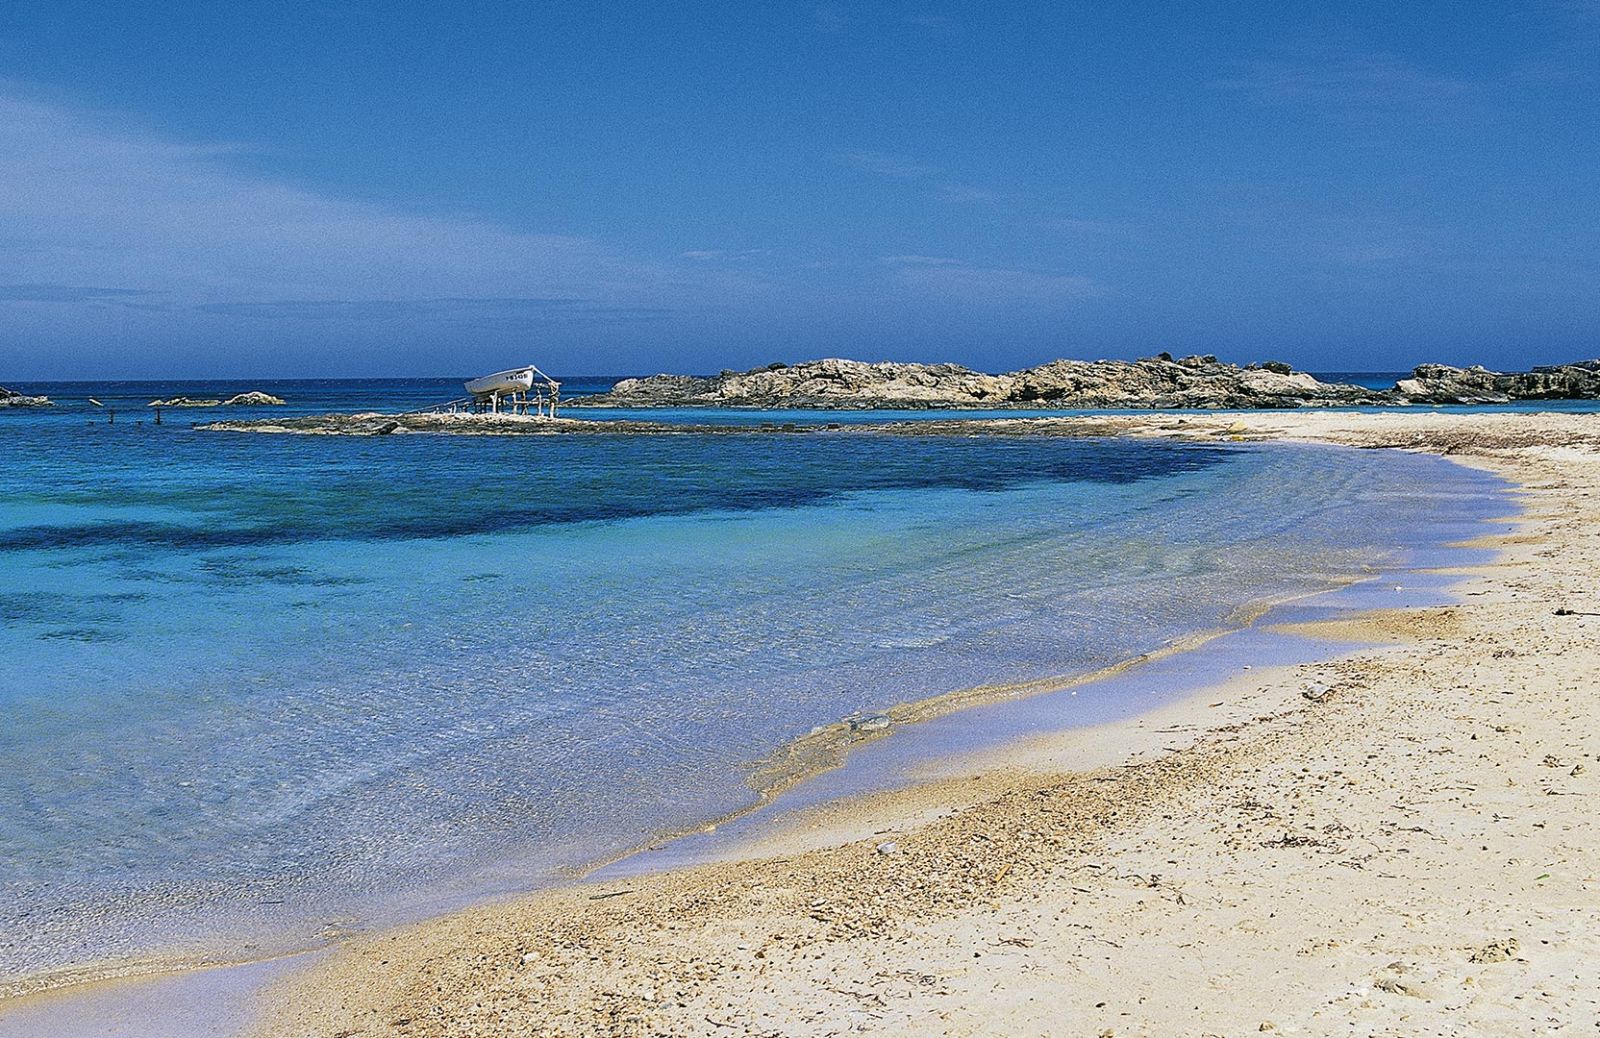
<point>257,687</point>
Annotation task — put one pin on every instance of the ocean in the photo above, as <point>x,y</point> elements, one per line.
<point>261,690</point>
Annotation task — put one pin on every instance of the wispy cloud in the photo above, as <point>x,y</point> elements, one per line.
<point>44,293</point>
<point>936,182</point>
<point>1371,240</point>
<point>174,225</point>
<point>885,164</point>
<point>957,193</point>
<point>954,280</point>
<point>1079,226</point>
<point>1337,240</point>
<point>1351,81</point>
<point>467,310</point>
<point>704,255</point>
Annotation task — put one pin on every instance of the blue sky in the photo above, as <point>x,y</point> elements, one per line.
<point>330,188</point>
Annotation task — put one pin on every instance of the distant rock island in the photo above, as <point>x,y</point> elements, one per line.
<point>12,398</point>
<point>251,399</point>
<point>1158,382</point>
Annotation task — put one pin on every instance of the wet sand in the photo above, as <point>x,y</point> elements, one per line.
<point>1396,841</point>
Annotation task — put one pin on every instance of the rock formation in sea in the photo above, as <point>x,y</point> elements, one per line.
<point>1201,382</point>
<point>1442,384</point>
<point>184,401</point>
<point>12,398</point>
<point>251,399</point>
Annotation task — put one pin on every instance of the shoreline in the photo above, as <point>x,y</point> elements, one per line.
<point>831,747</point>
<point>801,760</point>
<point>186,987</point>
<point>751,944</point>
<point>993,722</point>
<point>177,981</point>
<point>937,800</point>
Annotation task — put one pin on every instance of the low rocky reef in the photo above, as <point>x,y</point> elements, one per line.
<point>251,399</point>
<point>1162,382</point>
<point>371,423</point>
<point>12,398</point>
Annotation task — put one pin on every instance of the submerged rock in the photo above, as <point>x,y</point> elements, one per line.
<point>12,398</point>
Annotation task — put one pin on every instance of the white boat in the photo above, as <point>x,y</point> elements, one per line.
<point>503,383</point>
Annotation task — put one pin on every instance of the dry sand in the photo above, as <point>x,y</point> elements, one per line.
<point>1411,852</point>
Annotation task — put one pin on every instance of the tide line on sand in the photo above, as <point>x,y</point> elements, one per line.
<point>1411,850</point>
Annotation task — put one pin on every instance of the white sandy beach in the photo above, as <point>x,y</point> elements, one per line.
<point>915,519</point>
<point>1409,849</point>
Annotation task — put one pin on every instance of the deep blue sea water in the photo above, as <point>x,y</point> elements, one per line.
<point>254,688</point>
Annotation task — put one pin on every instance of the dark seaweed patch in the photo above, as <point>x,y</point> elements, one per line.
<point>590,481</point>
<point>240,570</point>
<point>83,634</point>
<point>44,607</point>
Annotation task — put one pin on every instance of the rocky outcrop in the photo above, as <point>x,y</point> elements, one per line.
<point>254,398</point>
<point>12,398</point>
<point>1442,384</point>
<point>1199,382</point>
<point>251,399</point>
<point>821,383</point>
<point>1160,382</point>
<point>1154,382</point>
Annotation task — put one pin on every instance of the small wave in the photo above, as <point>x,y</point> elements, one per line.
<point>927,641</point>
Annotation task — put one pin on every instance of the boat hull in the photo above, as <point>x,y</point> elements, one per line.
<point>502,383</point>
